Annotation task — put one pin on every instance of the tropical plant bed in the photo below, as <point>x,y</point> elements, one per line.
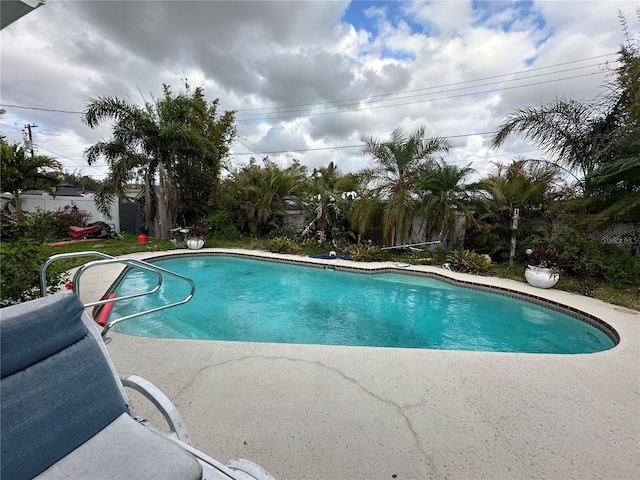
<point>627,296</point>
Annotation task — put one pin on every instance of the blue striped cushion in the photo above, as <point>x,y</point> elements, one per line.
<point>57,390</point>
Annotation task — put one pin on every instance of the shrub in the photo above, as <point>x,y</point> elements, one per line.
<point>617,266</point>
<point>71,215</point>
<point>40,225</point>
<point>44,226</point>
<point>284,245</point>
<point>196,231</point>
<point>19,272</point>
<point>429,258</point>
<point>367,253</point>
<point>468,261</point>
<point>587,260</point>
<point>220,225</point>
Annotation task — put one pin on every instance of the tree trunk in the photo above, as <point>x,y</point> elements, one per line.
<point>147,204</point>
<point>163,224</point>
<point>18,201</point>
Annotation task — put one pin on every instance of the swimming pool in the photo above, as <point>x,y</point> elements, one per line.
<point>239,299</point>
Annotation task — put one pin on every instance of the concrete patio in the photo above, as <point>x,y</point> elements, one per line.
<point>328,412</point>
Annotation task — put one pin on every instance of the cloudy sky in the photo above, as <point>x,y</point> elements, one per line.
<point>309,78</point>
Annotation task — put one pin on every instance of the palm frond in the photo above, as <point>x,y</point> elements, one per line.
<point>106,107</point>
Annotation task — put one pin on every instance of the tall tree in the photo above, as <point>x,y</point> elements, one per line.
<point>22,172</point>
<point>198,178</point>
<point>617,183</point>
<point>397,166</point>
<point>85,182</point>
<point>151,140</point>
<point>587,136</point>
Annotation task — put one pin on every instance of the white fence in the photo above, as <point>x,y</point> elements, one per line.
<point>46,202</point>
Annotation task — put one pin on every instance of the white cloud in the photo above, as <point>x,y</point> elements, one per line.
<point>271,54</point>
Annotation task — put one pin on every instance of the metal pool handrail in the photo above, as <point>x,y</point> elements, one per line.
<point>108,259</point>
<point>76,278</point>
<point>129,262</point>
<point>145,265</point>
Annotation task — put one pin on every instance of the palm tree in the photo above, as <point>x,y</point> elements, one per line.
<point>618,187</point>
<point>523,184</point>
<point>21,172</point>
<point>397,167</point>
<point>261,191</point>
<point>577,133</point>
<point>366,210</point>
<point>146,140</point>
<point>329,199</point>
<point>445,197</point>
<point>617,183</point>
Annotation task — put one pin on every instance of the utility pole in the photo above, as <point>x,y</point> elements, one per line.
<point>29,126</point>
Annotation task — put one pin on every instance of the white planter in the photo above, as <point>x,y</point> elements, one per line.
<point>541,277</point>
<point>195,243</point>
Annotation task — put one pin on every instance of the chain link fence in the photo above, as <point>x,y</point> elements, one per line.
<point>625,235</point>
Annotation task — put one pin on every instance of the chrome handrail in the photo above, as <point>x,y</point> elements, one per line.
<point>110,324</point>
<point>108,259</point>
<point>127,261</point>
<point>59,256</point>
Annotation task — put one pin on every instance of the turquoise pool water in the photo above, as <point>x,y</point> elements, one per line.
<point>259,301</point>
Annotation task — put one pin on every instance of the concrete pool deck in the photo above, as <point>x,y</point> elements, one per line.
<point>331,412</point>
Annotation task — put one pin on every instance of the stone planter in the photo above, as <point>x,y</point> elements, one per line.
<point>541,277</point>
<point>195,243</point>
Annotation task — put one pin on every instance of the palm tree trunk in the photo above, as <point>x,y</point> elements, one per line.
<point>147,203</point>
<point>163,227</point>
<point>18,201</point>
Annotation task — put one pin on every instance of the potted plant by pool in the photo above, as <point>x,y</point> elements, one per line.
<point>195,236</point>
<point>543,268</point>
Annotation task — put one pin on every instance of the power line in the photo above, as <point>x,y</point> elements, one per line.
<point>362,98</point>
<point>341,147</point>
<point>37,108</point>
<point>241,142</point>
<point>438,86</point>
<point>74,147</point>
<point>265,112</point>
<point>82,165</point>
<point>418,101</point>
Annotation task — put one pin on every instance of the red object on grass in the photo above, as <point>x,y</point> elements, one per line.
<point>79,232</point>
<point>106,310</point>
<point>142,238</point>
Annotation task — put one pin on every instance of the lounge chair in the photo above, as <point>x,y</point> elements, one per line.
<point>64,412</point>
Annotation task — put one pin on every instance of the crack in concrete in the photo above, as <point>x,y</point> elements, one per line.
<point>212,366</point>
<point>495,425</point>
<point>318,363</point>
